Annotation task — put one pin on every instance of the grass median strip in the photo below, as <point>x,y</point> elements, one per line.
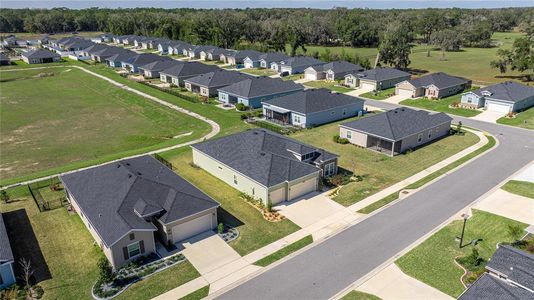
<point>521,188</point>
<point>285,251</point>
<point>394,196</point>
<point>198,294</point>
<point>357,295</point>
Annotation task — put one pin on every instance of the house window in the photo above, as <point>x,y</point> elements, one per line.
<point>308,156</point>
<point>297,119</point>
<point>235,179</point>
<point>134,249</point>
<point>329,169</point>
<point>430,134</point>
<point>132,236</point>
<point>349,134</point>
<point>419,137</point>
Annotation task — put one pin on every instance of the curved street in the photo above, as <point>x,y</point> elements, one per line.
<point>331,266</point>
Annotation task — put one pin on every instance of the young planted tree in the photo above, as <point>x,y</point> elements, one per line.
<point>4,196</point>
<point>105,272</point>
<point>27,273</point>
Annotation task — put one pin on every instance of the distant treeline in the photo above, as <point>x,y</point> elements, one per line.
<point>274,28</point>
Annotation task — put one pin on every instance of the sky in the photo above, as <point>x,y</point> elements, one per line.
<point>379,4</point>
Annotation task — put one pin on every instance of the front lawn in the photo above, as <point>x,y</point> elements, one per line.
<point>293,77</point>
<point>442,105</point>
<point>331,85</point>
<point>198,294</point>
<point>259,71</point>
<point>524,119</point>
<point>70,119</point>
<point>381,95</point>
<point>377,170</point>
<point>254,231</point>
<point>521,188</point>
<point>432,262</point>
<point>305,241</point>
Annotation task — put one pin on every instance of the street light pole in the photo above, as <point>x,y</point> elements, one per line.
<point>465,217</point>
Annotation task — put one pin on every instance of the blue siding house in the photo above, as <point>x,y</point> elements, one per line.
<point>7,276</point>
<point>503,97</point>
<point>255,90</point>
<point>311,108</point>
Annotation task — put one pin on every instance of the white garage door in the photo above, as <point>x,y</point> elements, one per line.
<point>310,76</point>
<point>367,86</point>
<point>248,65</point>
<point>277,196</point>
<point>404,92</point>
<point>192,228</point>
<point>303,188</point>
<point>499,107</point>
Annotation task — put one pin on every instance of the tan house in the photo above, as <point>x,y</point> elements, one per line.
<point>376,79</point>
<point>396,131</point>
<point>434,86</point>
<point>265,165</point>
<point>130,205</point>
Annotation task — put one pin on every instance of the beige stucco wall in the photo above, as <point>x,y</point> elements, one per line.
<point>437,132</point>
<point>226,174</point>
<point>357,138</point>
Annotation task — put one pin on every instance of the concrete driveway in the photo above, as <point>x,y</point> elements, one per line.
<point>488,116</point>
<point>508,205</point>
<point>395,99</point>
<point>358,92</point>
<point>309,209</point>
<point>392,283</point>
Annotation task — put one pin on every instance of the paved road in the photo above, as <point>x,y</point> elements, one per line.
<point>324,270</point>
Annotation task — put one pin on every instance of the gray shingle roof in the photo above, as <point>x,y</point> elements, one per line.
<point>113,196</point>
<point>381,74</point>
<point>439,79</point>
<point>40,53</point>
<point>160,65</point>
<point>261,86</point>
<point>301,61</point>
<point>264,156</point>
<point>516,265</point>
<point>218,78</point>
<point>145,58</point>
<point>5,247</point>
<point>122,56</point>
<point>491,287</point>
<point>313,100</point>
<point>4,57</point>
<point>398,123</point>
<point>508,91</point>
<point>338,67</point>
<point>189,69</point>
<point>242,54</point>
<point>96,47</point>
<point>273,57</point>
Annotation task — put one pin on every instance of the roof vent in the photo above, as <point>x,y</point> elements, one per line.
<point>127,163</point>
<point>129,175</point>
<point>139,173</point>
<point>255,132</point>
<point>262,153</point>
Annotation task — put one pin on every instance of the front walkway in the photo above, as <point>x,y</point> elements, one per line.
<point>508,205</point>
<point>488,116</point>
<point>392,283</point>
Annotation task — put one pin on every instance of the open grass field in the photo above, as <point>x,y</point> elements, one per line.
<point>254,231</point>
<point>377,170</point>
<point>331,85</point>
<point>472,63</point>
<point>73,117</point>
<point>432,262</point>
<point>524,119</point>
<point>442,105</point>
<point>522,188</point>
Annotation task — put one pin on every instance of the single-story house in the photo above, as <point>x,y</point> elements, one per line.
<point>101,55</point>
<point>252,60</point>
<point>311,108</point>
<point>129,205</point>
<point>214,54</point>
<point>195,51</point>
<point>129,40</point>
<point>132,64</point>
<point>75,44</point>
<point>203,55</point>
<point>40,56</point>
<point>103,38</point>
<point>208,84</point>
<point>153,69</point>
<point>509,275</point>
<point>436,85</point>
<point>376,79</point>
<point>238,57</point>
<point>4,59</point>
<point>116,60</point>
<point>265,165</point>
<point>93,48</point>
<point>178,73</point>
<point>178,47</point>
<point>296,65</point>
<point>255,90</point>
<point>331,71</point>
<point>163,46</point>
<point>224,56</point>
<point>503,97</point>
<point>397,130</point>
<point>268,58</point>
<point>138,41</point>
<point>7,260</point>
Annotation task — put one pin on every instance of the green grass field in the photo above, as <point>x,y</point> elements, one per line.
<point>518,187</point>
<point>442,105</point>
<point>254,231</point>
<point>524,119</point>
<point>285,251</point>
<point>377,170</point>
<point>331,85</point>
<point>73,117</point>
<point>432,262</point>
<point>259,72</point>
<point>381,95</point>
